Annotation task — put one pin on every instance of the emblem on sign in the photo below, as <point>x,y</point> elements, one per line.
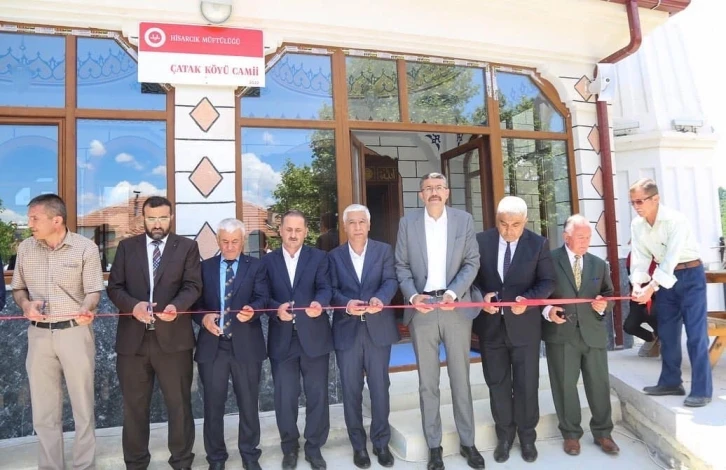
<point>155,37</point>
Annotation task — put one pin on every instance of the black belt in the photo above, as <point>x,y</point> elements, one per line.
<point>61,325</point>
<point>688,264</point>
<point>435,293</point>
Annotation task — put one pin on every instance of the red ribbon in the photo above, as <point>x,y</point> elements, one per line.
<point>526,302</point>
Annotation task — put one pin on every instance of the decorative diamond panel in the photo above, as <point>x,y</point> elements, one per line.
<point>205,177</point>
<point>594,138</point>
<point>600,227</point>
<point>207,241</point>
<point>596,181</point>
<point>204,114</point>
<point>581,87</point>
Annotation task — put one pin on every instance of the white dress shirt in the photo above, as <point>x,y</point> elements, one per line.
<point>358,260</point>
<point>669,240</point>
<point>291,263</point>
<point>150,256</point>
<point>436,232</point>
<point>571,257</point>
<point>502,252</point>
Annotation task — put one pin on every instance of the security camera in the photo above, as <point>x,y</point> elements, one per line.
<point>604,84</point>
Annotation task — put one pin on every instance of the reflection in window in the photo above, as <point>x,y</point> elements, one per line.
<point>107,78</point>
<point>32,70</point>
<point>120,164</point>
<point>537,171</point>
<point>285,169</point>
<point>443,94</point>
<point>298,86</point>
<point>29,162</point>
<point>523,106</point>
<point>372,89</point>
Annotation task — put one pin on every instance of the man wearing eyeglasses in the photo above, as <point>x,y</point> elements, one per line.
<point>665,234</point>
<point>436,261</point>
<point>576,338</point>
<point>154,276</point>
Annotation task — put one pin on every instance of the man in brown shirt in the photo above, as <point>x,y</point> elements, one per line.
<point>57,283</point>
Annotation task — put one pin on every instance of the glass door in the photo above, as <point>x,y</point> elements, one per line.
<point>468,169</point>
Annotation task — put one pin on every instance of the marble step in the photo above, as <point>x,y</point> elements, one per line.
<point>20,454</point>
<point>408,442</point>
<point>404,387</point>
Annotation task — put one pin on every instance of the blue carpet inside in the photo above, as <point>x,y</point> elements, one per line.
<point>402,355</point>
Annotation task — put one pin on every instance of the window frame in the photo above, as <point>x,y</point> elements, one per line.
<point>66,118</point>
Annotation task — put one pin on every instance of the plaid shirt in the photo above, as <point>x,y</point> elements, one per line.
<point>62,276</point>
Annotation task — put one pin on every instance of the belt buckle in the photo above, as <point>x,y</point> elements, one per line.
<point>150,326</point>
<point>363,318</point>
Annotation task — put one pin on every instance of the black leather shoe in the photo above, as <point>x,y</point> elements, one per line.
<point>318,463</point>
<point>529,452</point>
<point>501,453</point>
<point>436,461</point>
<point>385,458</point>
<point>661,390</point>
<point>289,460</point>
<point>217,466</point>
<point>361,459</point>
<point>472,456</point>
<point>696,402</point>
<point>251,465</point>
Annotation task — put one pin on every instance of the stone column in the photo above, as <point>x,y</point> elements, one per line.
<point>205,162</point>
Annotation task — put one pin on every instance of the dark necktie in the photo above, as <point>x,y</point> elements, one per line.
<point>228,281</point>
<point>507,261</point>
<point>157,256</point>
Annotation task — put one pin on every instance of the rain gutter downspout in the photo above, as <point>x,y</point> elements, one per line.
<point>606,163</point>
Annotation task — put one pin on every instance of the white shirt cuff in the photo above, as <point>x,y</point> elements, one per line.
<point>411,299</point>
<point>546,313</point>
<point>451,293</point>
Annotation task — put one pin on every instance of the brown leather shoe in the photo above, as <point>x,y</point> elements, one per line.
<point>571,446</point>
<point>607,445</point>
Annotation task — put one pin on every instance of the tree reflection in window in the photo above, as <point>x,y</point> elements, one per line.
<point>445,94</point>
<point>285,169</point>
<point>537,171</point>
<point>523,106</point>
<point>372,89</point>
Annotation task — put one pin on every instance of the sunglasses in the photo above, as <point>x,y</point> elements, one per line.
<point>640,202</point>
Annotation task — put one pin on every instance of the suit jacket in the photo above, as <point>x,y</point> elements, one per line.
<point>178,282</point>
<point>531,275</point>
<point>377,280</point>
<point>462,258</point>
<point>595,281</point>
<point>248,288</point>
<point>312,283</point>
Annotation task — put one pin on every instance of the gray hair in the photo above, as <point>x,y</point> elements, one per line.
<point>574,221</point>
<point>512,205</point>
<point>53,205</point>
<point>356,208</point>
<point>647,185</point>
<point>433,176</point>
<point>231,225</point>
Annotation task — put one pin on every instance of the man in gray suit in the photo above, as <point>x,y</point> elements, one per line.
<point>428,274</point>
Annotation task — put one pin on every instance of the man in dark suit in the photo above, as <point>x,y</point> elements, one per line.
<point>364,280</point>
<point>576,338</point>
<point>154,276</point>
<point>299,340</point>
<point>437,261</point>
<point>231,343</point>
<point>515,265</point>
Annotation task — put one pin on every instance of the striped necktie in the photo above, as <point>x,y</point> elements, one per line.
<point>157,255</point>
